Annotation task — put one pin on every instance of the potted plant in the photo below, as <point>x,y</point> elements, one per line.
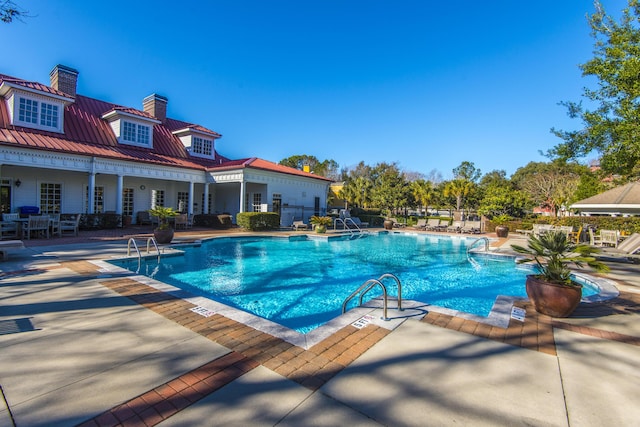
<point>163,233</point>
<point>552,290</point>
<point>500,220</point>
<point>321,223</point>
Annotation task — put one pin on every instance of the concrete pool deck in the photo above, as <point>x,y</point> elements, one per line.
<point>80,348</point>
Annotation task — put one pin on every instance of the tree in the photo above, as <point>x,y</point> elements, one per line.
<point>467,171</point>
<point>327,168</point>
<point>459,189</point>
<point>390,189</point>
<point>423,192</point>
<point>10,11</point>
<point>504,200</point>
<point>612,127</point>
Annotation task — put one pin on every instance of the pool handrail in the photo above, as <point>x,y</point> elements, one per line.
<point>486,244</point>
<point>384,276</point>
<point>373,282</point>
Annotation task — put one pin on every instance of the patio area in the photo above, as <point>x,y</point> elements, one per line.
<point>81,347</point>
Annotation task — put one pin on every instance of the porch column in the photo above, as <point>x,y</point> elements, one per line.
<point>119,188</point>
<point>205,205</point>
<point>242,190</point>
<point>190,208</point>
<point>92,191</point>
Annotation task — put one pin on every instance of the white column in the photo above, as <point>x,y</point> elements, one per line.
<point>119,189</point>
<point>190,208</point>
<point>242,190</point>
<point>92,191</point>
<point>205,205</point>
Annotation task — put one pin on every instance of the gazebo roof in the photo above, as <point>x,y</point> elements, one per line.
<point>620,200</point>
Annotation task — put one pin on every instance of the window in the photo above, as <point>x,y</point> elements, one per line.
<point>157,198</point>
<point>257,202</point>
<point>48,115</point>
<point>316,206</point>
<point>127,201</point>
<point>28,111</point>
<point>38,113</point>
<point>98,199</point>
<point>5,196</point>
<point>133,132</point>
<point>50,198</point>
<point>183,200</point>
<point>202,146</point>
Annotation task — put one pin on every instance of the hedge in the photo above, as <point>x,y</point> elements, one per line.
<point>626,225</point>
<point>213,220</point>
<point>258,221</point>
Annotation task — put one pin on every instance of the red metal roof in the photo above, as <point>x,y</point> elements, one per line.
<point>86,133</point>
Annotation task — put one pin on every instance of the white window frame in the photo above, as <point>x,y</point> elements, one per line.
<point>44,113</point>
<point>48,201</point>
<point>135,133</point>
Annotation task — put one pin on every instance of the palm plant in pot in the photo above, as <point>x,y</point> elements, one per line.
<point>321,223</point>
<point>552,290</point>
<point>163,233</point>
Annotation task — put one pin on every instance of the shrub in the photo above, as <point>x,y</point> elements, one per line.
<point>258,221</point>
<point>213,220</point>
<point>99,221</point>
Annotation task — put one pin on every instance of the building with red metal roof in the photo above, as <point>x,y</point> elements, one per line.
<point>67,153</point>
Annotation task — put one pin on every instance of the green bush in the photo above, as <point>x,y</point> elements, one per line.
<point>213,220</point>
<point>627,225</point>
<point>258,221</point>
<point>100,221</point>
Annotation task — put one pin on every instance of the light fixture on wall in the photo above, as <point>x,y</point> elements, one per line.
<point>142,187</point>
<point>18,182</point>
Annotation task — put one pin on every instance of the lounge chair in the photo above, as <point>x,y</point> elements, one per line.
<point>455,227</point>
<point>629,248</point>
<point>71,226</point>
<point>421,225</point>
<point>397,224</point>
<point>471,227</point>
<point>181,221</point>
<point>299,225</point>
<point>432,224</point>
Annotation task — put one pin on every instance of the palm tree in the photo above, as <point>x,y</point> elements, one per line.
<point>423,192</point>
<point>458,188</point>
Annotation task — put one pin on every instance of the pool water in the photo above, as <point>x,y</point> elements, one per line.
<point>301,283</point>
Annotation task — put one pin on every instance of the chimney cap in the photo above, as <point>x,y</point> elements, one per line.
<point>156,97</point>
<point>61,67</point>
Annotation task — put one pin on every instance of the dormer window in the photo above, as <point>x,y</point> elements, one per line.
<point>33,108</point>
<point>135,133</point>
<point>198,141</point>
<point>132,127</point>
<point>202,146</point>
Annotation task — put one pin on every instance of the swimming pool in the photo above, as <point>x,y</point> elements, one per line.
<point>301,282</point>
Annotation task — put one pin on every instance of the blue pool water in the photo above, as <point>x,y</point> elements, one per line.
<point>301,283</point>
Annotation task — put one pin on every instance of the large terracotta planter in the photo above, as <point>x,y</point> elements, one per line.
<point>502,231</point>
<point>163,236</point>
<point>321,229</point>
<point>388,224</point>
<point>552,299</point>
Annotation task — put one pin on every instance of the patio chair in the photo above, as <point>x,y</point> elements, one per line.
<point>432,224</point>
<point>421,224</point>
<point>38,225</point>
<point>299,225</point>
<point>455,227</point>
<point>143,218</point>
<point>180,222</point>
<point>609,237</point>
<point>70,226</point>
<point>8,230</point>
<point>629,249</point>
<point>397,224</point>
<point>54,224</point>
<point>471,227</point>
<point>189,221</point>
<point>359,223</point>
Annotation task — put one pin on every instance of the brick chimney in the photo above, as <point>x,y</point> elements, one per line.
<point>156,105</point>
<point>64,79</point>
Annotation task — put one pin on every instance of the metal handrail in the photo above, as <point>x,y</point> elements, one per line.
<point>486,244</point>
<point>384,276</point>
<point>132,240</point>
<point>155,244</point>
<point>374,282</point>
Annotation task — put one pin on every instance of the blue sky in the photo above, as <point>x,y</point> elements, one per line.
<point>427,84</point>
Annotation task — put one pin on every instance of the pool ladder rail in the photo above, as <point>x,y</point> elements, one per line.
<point>370,284</point>
<point>350,225</point>
<point>473,262</point>
<point>150,241</point>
